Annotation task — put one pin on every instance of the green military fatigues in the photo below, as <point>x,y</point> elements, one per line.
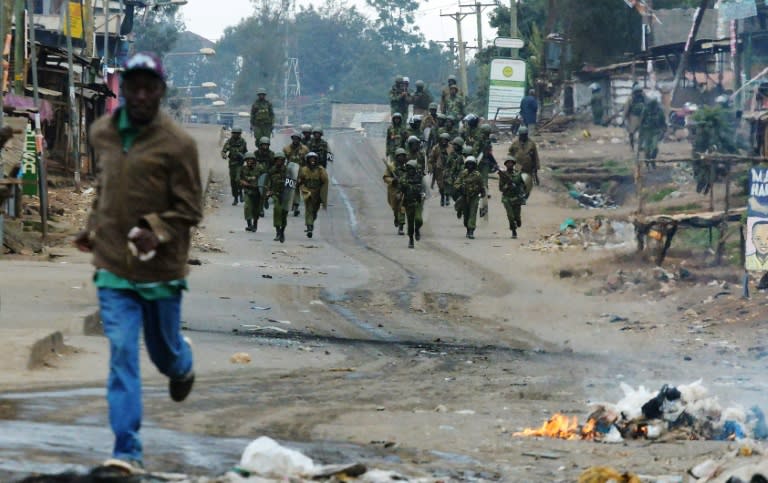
<point>420,158</point>
<point>296,154</point>
<point>633,111</point>
<point>320,146</point>
<point>598,111</point>
<point>453,169</point>
<point>392,178</point>
<point>276,185</point>
<point>513,196</point>
<point>527,156</point>
<point>454,105</point>
<point>438,163</point>
<point>652,126</point>
<point>411,188</point>
<point>312,182</point>
<point>267,157</point>
<point>421,99</point>
<point>398,99</point>
<point>233,151</point>
<point>262,118</point>
<point>396,136</point>
<point>470,187</point>
<point>249,177</point>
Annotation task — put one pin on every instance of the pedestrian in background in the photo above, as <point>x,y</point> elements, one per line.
<point>149,197</point>
<point>529,110</point>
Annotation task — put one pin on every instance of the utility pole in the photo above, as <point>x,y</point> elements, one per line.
<point>479,7</point>
<point>19,47</point>
<point>458,17</point>
<point>74,120</point>
<point>90,39</point>
<point>697,18</point>
<point>41,168</point>
<point>648,36</point>
<point>513,25</point>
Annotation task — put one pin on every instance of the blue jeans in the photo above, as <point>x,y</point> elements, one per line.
<point>124,313</point>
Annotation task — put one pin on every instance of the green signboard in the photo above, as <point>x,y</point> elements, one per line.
<point>29,163</point>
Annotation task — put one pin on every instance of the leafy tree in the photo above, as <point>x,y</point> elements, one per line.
<point>396,24</point>
<point>157,30</point>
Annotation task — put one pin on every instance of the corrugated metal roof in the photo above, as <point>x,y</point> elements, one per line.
<point>676,25</point>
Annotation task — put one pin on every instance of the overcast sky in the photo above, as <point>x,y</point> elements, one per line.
<point>209,18</point>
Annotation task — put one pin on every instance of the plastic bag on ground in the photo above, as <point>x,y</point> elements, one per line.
<point>264,456</point>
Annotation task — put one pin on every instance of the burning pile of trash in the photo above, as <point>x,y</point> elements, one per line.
<point>593,232</point>
<point>684,412</point>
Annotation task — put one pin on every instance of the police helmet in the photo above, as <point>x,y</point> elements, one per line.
<point>451,79</point>
<point>311,154</point>
<point>467,149</point>
<point>249,155</point>
<point>306,128</point>
<point>317,129</point>
<point>432,105</point>
<point>237,130</point>
<point>509,159</point>
<point>722,100</point>
<point>296,134</point>
<point>442,116</point>
<point>397,114</point>
<point>264,140</point>
<point>406,80</point>
<point>261,91</point>
<point>485,128</point>
<point>445,136</point>
<point>413,139</point>
<point>398,78</point>
<point>471,119</point>
<point>415,120</point>
<point>419,83</point>
<point>279,155</point>
<point>522,130</point>
<point>412,164</point>
<point>470,159</point>
<point>458,140</point>
<point>400,151</point>
<point>637,88</point>
<point>451,117</point>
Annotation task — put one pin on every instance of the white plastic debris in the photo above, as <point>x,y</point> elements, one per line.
<point>613,436</point>
<point>266,457</point>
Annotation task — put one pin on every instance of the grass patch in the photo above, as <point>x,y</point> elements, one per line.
<point>689,207</point>
<point>661,194</point>
<point>617,167</point>
<point>697,239</point>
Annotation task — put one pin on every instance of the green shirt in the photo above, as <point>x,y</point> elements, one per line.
<point>106,279</point>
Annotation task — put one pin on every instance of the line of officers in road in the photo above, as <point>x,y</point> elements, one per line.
<point>295,174</point>
<point>459,160</point>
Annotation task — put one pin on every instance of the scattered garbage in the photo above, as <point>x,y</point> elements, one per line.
<point>257,307</point>
<point>598,232</point>
<point>590,197</point>
<point>266,457</point>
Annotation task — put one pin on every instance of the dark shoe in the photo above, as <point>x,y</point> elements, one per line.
<point>442,200</point>
<point>514,233</point>
<point>418,235</point>
<point>471,234</point>
<point>180,388</point>
<point>234,202</point>
<point>277,235</point>
<point>296,211</point>
<point>467,235</point>
<point>400,230</point>
<point>282,235</point>
<point>266,206</point>
<point>519,223</point>
<point>410,242</point>
<point>309,231</point>
<point>249,227</point>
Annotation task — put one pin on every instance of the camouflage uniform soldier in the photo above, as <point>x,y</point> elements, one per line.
<point>411,188</point>
<point>414,126</point>
<point>471,131</point>
<point>446,93</point>
<point>395,169</point>
<point>249,180</point>
<point>450,126</point>
<point>453,168</point>
<point>263,154</point>
<point>438,163</point>
<point>320,146</point>
<point>275,187</point>
<point>262,115</point>
<point>513,194</point>
<point>454,104</point>
<point>653,123</point>
<point>633,111</point>
<point>527,154</point>
<point>429,121</point>
<point>313,185</point>
<point>396,135</point>
<point>483,149</point>
<point>421,98</point>
<point>295,153</point>
<point>414,152</point>
<point>233,151</point>
<point>398,96</point>
<point>306,134</point>
<point>470,187</point>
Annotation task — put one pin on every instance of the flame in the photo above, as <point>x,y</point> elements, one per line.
<point>560,426</point>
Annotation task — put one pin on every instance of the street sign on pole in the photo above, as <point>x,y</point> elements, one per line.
<point>508,43</point>
<point>507,85</point>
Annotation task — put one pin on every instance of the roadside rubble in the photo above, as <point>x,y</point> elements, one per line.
<point>686,412</point>
<point>597,232</point>
<point>263,460</point>
<point>590,197</point>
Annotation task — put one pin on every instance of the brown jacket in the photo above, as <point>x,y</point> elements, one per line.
<point>156,182</point>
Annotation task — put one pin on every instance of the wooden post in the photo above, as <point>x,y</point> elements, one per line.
<point>724,223</point>
<point>712,165</point>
